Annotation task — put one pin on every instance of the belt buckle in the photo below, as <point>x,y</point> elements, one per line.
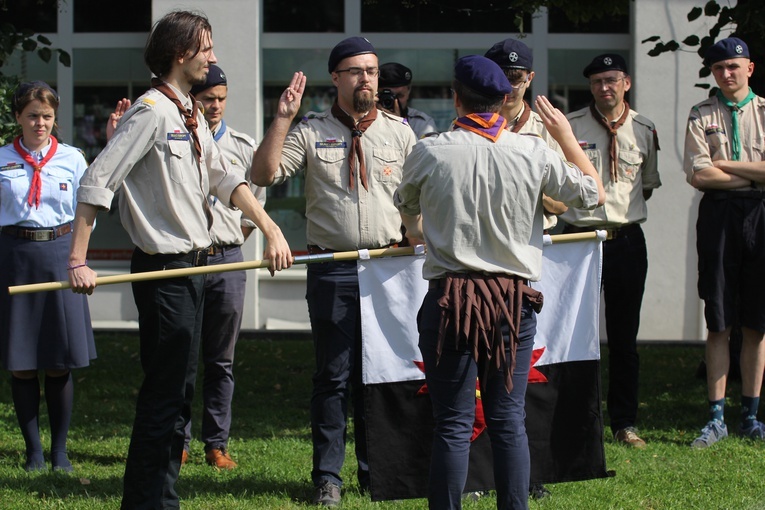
<point>40,235</point>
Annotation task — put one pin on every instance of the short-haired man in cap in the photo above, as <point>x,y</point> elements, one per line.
<point>484,245</point>
<point>352,156</point>
<point>397,79</point>
<point>724,159</point>
<point>622,145</point>
<point>166,163</point>
<point>516,61</point>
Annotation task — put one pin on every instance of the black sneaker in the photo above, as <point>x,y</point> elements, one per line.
<point>538,491</point>
<point>327,494</point>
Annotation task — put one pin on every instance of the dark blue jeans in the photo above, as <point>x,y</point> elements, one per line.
<point>625,266</point>
<point>170,322</point>
<point>224,303</point>
<point>452,389</point>
<point>333,305</point>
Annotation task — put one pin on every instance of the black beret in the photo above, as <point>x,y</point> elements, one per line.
<point>349,47</point>
<point>482,75</point>
<point>25,87</point>
<point>732,47</point>
<point>511,54</point>
<point>215,76</point>
<point>394,75</point>
<point>606,62</point>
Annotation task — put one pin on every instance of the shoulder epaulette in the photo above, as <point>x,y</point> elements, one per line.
<point>578,113</point>
<point>645,121</point>
<point>535,135</point>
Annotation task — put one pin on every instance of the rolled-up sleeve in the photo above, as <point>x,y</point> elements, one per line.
<point>407,196</point>
<point>696,155</point>
<point>566,183</point>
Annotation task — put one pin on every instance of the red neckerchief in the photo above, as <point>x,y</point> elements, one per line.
<point>611,128</point>
<point>524,118</point>
<point>357,129</point>
<point>35,189</point>
<point>487,125</point>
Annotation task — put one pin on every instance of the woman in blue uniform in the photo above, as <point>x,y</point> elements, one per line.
<point>47,331</point>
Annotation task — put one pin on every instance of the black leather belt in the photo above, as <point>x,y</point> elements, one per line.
<point>217,249</point>
<point>37,234</point>
<point>318,250</point>
<point>753,194</point>
<point>195,258</point>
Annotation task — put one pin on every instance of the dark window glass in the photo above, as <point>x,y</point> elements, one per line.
<point>558,23</point>
<point>442,16</point>
<point>303,16</point>
<point>101,16</point>
<point>40,16</point>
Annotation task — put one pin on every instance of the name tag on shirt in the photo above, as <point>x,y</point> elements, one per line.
<point>12,166</point>
<point>331,144</point>
<point>181,137</point>
<point>713,128</point>
<point>586,146</point>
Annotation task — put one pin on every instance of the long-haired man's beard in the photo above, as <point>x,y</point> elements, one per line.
<point>363,101</point>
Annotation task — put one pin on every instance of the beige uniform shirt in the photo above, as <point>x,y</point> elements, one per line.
<point>238,150</point>
<point>421,123</point>
<point>151,156</point>
<point>708,137</point>
<point>481,202</point>
<point>637,169</point>
<point>338,217</point>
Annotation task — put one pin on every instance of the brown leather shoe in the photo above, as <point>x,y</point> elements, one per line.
<point>220,459</point>
<point>184,457</point>
<point>628,436</point>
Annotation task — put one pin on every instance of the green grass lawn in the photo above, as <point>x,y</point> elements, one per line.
<point>271,442</point>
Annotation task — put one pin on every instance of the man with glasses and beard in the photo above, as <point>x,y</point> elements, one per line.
<point>622,145</point>
<point>352,156</point>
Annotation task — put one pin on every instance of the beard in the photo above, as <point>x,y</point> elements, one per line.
<point>363,101</point>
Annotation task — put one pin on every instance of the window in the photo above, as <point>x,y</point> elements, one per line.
<point>558,23</point>
<point>41,16</point>
<point>100,16</point>
<point>303,16</point>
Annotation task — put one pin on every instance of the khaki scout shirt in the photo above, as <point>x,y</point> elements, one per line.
<point>338,217</point>
<point>238,149</point>
<point>637,169</point>
<point>421,123</point>
<point>151,156</point>
<point>708,137</point>
<point>481,201</point>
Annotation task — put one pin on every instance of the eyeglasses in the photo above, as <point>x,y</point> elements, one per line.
<point>358,71</point>
<point>520,83</point>
<point>608,82</point>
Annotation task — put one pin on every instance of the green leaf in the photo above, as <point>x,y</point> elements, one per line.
<point>702,85</point>
<point>691,40</point>
<point>704,72</point>
<point>672,46</point>
<point>29,45</point>
<point>64,58</point>
<point>650,39</point>
<point>41,38</point>
<point>695,13</point>
<point>712,8</point>
<point>44,54</point>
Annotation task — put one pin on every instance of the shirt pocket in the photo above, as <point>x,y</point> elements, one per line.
<point>178,160</point>
<point>62,185</point>
<point>387,165</point>
<point>629,165</point>
<point>718,145</point>
<point>14,184</point>
<point>329,164</point>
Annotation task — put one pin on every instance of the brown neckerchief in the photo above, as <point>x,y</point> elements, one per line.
<point>611,128</point>
<point>473,306</point>
<point>524,118</point>
<point>190,121</point>
<point>357,129</point>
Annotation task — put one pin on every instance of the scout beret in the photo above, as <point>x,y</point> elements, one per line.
<point>393,74</point>
<point>25,87</point>
<point>482,75</point>
<point>215,76</point>
<point>511,54</point>
<point>732,47</point>
<point>606,62</point>
<point>349,47</point>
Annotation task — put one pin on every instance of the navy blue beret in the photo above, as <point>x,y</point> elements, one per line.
<point>511,54</point>
<point>606,62</point>
<point>482,75</point>
<point>25,87</point>
<point>393,74</point>
<point>215,77</point>
<point>349,47</point>
<point>732,47</point>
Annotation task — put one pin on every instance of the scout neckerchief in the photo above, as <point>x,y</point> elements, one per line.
<point>735,108</point>
<point>221,130</point>
<point>190,121</point>
<point>487,125</point>
<point>357,129</point>
<point>525,114</point>
<point>611,128</point>
<point>35,189</point>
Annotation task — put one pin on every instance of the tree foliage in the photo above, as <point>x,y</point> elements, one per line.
<point>745,20</point>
